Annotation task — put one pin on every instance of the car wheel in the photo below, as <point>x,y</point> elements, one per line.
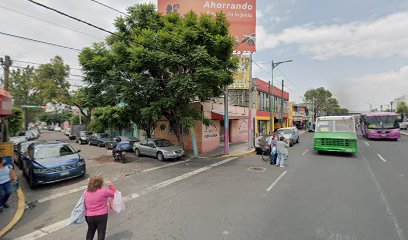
<point>137,152</point>
<point>99,144</point>
<point>297,141</point>
<point>160,156</point>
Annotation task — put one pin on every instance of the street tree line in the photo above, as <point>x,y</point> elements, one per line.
<point>323,103</point>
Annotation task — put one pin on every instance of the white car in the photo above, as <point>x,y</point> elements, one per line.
<point>56,128</point>
<point>403,125</point>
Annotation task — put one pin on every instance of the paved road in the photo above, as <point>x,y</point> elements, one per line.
<point>333,197</point>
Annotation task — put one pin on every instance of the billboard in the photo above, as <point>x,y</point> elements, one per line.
<point>243,75</point>
<point>240,13</point>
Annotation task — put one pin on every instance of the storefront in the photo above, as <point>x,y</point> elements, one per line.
<point>210,137</point>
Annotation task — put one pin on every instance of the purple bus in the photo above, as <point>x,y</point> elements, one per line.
<point>383,125</point>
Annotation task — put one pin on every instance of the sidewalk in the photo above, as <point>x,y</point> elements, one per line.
<point>234,149</point>
<point>10,216</point>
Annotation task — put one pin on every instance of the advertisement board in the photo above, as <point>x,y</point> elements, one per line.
<point>243,75</point>
<point>241,15</point>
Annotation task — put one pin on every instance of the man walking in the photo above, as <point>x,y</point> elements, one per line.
<point>282,148</point>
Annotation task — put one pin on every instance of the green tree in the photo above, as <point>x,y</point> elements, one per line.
<point>22,86</point>
<point>158,65</point>
<point>110,117</point>
<point>15,123</point>
<point>322,101</point>
<point>55,118</point>
<point>74,120</point>
<point>402,108</point>
<point>50,81</point>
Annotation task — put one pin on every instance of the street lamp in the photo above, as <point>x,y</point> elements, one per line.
<point>272,108</point>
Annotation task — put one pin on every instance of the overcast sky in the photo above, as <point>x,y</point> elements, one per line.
<point>356,49</point>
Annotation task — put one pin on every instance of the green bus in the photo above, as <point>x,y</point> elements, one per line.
<point>335,134</point>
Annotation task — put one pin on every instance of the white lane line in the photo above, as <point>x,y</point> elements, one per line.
<point>164,166</point>
<point>81,188</point>
<point>381,157</point>
<point>61,224</point>
<point>366,143</point>
<point>385,201</point>
<point>276,181</point>
<point>307,150</point>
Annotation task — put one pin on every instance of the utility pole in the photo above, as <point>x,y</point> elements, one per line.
<point>391,105</point>
<point>272,117</point>
<point>281,110</point>
<point>271,108</point>
<point>6,63</point>
<point>381,107</point>
<point>226,122</point>
<point>250,118</point>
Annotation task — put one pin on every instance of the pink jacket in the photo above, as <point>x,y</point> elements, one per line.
<point>96,203</point>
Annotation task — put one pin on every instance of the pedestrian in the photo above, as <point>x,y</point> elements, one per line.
<point>282,148</point>
<point>272,147</point>
<point>96,205</point>
<point>7,175</point>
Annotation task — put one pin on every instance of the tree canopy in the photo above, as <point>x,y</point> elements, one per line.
<point>402,108</point>
<point>323,102</point>
<point>158,65</point>
<point>16,121</point>
<point>110,117</point>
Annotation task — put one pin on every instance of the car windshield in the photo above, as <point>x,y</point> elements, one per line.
<point>49,151</point>
<point>284,131</point>
<point>84,134</point>
<point>338,125</point>
<point>104,135</point>
<point>163,143</point>
<point>18,139</point>
<point>382,122</point>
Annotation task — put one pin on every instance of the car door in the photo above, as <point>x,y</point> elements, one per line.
<point>150,148</point>
<point>142,147</point>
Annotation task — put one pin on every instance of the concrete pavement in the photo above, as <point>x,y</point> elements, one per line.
<point>328,196</point>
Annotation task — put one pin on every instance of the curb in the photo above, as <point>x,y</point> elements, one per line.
<point>238,154</point>
<point>19,213</point>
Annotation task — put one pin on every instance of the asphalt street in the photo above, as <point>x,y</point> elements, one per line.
<point>326,196</point>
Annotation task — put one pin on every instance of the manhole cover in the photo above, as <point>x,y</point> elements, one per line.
<point>257,169</point>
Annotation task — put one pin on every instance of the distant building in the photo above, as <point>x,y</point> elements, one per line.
<point>300,115</point>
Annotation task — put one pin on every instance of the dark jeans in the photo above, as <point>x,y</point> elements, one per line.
<point>96,223</point>
<point>5,191</point>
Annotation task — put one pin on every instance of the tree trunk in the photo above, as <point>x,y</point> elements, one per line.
<point>176,125</point>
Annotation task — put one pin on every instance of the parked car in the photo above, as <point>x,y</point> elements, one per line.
<point>52,162</point>
<point>99,139</point>
<point>75,129</point>
<point>50,128</point>
<point>21,149</point>
<point>403,125</point>
<point>83,137</point>
<point>57,128</point>
<point>18,139</point>
<point>110,144</point>
<point>262,144</point>
<point>290,134</point>
<point>157,147</point>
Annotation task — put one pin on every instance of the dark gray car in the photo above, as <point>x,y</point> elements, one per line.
<point>157,147</point>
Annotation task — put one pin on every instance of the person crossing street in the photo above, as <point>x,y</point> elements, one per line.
<point>282,148</point>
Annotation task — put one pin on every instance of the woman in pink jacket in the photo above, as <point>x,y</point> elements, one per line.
<point>96,204</point>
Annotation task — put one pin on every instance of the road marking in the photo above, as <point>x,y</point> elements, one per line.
<point>164,166</point>
<point>366,143</point>
<point>381,157</point>
<point>81,188</point>
<point>276,181</point>
<point>385,201</point>
<point>307,150</point>
<point>61,224</point>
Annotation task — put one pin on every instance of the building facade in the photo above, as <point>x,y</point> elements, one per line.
<point>263,119</point>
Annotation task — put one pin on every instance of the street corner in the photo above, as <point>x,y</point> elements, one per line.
<point>11,216</point>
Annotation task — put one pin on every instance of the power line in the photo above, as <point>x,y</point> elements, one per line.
<point>39,41</point>
<point>114,9</point>
<point>49,22</point>
<point>42,64</point>
<point>72,17</point>
<point>73,75</point>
